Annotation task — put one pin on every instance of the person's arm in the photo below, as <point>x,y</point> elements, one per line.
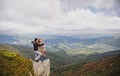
<point>41,44</point>
<point>33,42</point>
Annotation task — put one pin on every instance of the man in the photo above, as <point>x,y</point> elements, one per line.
<point>36,45</point>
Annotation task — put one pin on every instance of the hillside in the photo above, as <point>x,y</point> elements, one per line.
<point>71,53</point>
<point>104,67</point>
<point>12,64</point>
<point>8,47</point>
<point>57,58</point>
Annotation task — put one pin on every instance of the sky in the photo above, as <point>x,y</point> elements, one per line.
<point>59,17</point>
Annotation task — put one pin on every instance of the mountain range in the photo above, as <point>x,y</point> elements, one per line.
<point>96,64</point>
<point>71,48</point>
<point>68,54</point>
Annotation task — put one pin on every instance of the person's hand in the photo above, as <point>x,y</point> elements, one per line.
<point>32,41</point>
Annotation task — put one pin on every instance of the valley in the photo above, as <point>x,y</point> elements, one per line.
<point>68,56</point>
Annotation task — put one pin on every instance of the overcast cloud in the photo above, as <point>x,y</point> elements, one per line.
<point>23,17</point>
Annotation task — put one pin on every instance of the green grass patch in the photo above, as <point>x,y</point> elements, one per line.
<point>12,64</point>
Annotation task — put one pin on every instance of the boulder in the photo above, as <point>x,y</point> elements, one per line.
<point>41,68</point>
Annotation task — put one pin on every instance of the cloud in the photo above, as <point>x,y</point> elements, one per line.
<point>97,4</point>
<point>117,3</point>
<point>68,5</point>
<point>84,20</point>
<point>23,17</point>
<point>104,4</point>
<point>117,7</point>
<point>110,7</point>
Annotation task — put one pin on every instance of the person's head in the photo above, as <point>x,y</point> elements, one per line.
<point>40,40</point>
<point>35,39</point>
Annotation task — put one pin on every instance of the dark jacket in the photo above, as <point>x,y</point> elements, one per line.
<point>36,45</point>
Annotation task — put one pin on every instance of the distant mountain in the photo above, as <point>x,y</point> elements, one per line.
<point>52,39</point>
<point>62,39</point>
<point>6,39</point>
<point>104,67</point>
<point>86,46</point>
<point>71,44</point>
<point>113,41</point>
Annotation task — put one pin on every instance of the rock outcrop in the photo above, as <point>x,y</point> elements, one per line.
<point>41,68</point>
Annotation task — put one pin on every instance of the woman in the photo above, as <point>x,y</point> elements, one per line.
<point>41,49</point>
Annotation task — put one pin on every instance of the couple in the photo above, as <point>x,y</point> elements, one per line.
<point>39,49</point>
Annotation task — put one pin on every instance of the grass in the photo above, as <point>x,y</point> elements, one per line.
<point>12,64</point>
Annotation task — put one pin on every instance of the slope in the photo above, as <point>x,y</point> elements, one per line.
<point>104,67</point>
<point>12,64</point>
